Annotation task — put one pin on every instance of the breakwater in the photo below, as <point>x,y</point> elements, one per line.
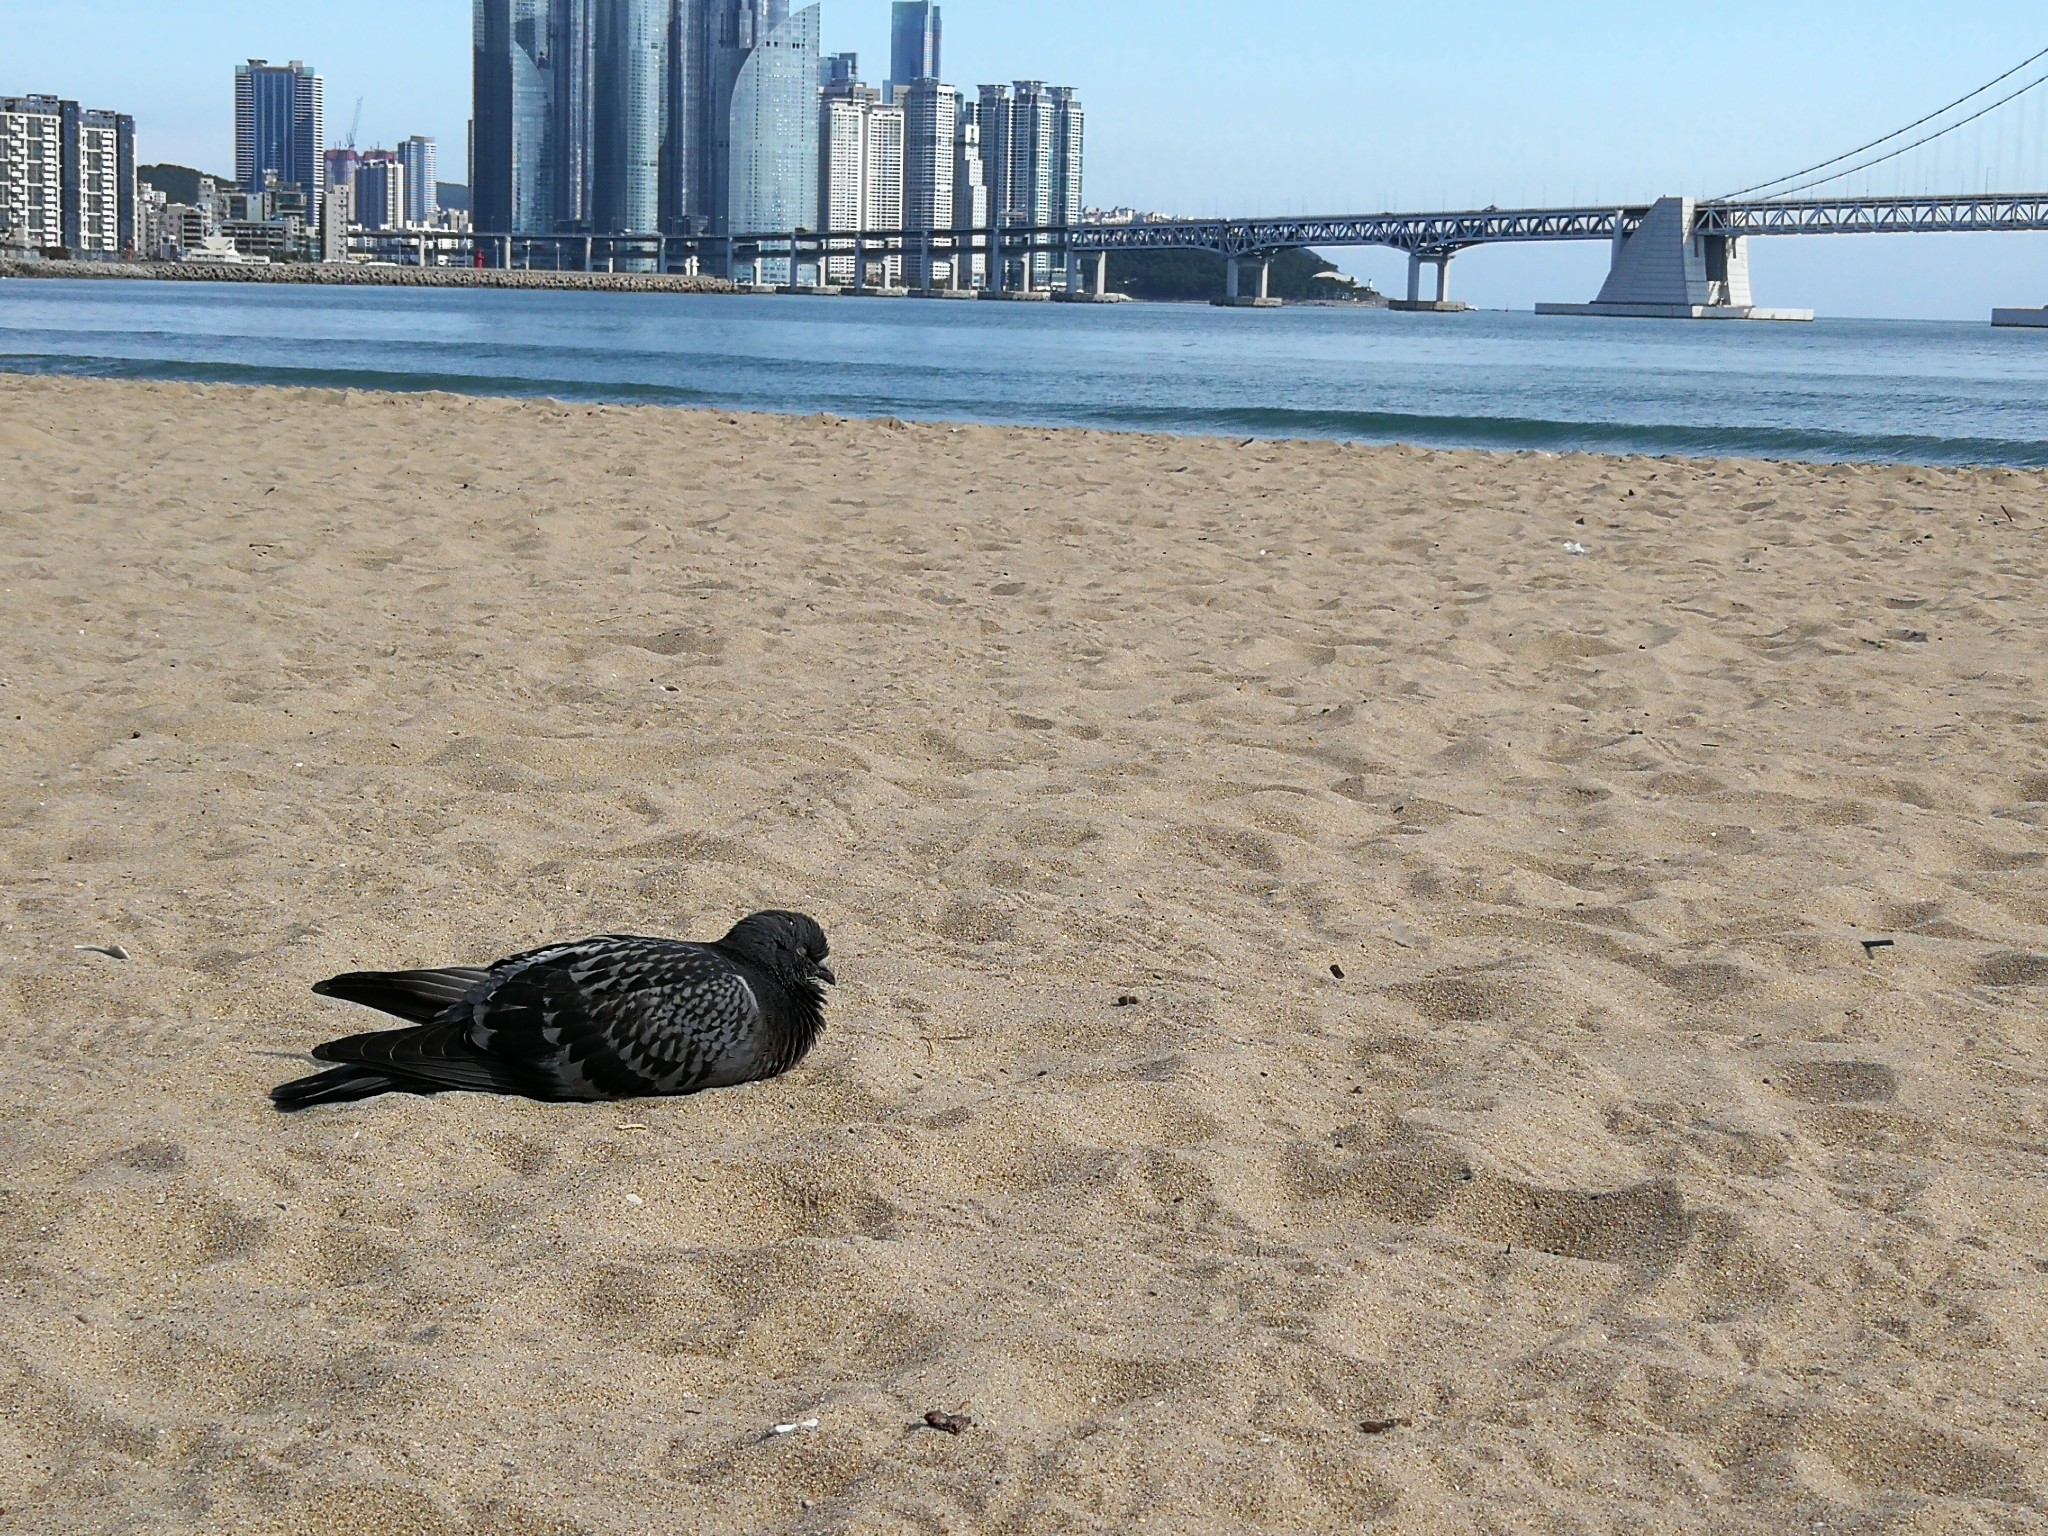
<point>366,275</point>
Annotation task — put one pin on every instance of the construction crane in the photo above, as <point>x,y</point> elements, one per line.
<point>354,123</point>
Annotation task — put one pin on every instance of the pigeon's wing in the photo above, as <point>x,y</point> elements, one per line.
<point>421,996</point>
<point>614,1018</point>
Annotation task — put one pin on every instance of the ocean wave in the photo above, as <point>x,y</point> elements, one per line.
<point>1487,432</point>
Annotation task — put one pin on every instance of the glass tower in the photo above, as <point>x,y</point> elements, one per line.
<point>774,131</point>
<point>913,44</point>
<point>513,191</point>
<point>631,86</point>
<point>278,128</point>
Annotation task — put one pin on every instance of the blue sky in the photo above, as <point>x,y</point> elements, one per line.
<point>1200,106</point>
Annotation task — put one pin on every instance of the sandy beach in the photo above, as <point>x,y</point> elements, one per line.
<point>1380,990</point>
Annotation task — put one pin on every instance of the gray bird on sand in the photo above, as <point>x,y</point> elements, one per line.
<point>609,1018</point>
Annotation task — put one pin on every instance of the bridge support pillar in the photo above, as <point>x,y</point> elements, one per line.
<point>1266,278</point>
<point>1443,302</point>
<point>1666,269</point>
<point>1101,285</point>
<point>1231,278</point>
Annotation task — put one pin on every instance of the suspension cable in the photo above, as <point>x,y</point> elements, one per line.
<point>1897,133</point>
<point>1908,148</point>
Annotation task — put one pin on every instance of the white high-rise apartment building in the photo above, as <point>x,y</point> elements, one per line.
<point>67,177</point>
<point>99,185</point>
<point>31,173</point>
<point>1031,149</point>
<point>861,174</point>
<point>970,187</point>
<point>422,188</point>
<point>931,120</point>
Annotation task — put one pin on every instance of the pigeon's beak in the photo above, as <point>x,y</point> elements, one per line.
<point>824,973</point>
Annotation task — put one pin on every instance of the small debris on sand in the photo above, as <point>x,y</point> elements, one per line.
<point>948,1423</point>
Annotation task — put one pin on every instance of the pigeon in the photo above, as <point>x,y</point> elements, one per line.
<point>606,1018</point>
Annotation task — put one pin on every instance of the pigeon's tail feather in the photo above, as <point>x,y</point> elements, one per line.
<point>339,1085</point>
<point>425,1060</point>
<point>419,996</point>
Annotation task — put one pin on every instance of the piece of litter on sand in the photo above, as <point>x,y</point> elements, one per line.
<point>1574,547</point>
<point>1337,971</point>
<point>790,1429</point>
<point>948,1423</point>
<point>1872,946</point>
<point>1128,1000</point>
<point>111,951</point>
<point>634,1200</point>
<point>1382,1426</point>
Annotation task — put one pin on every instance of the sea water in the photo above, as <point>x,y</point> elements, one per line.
<point>1917,392</point>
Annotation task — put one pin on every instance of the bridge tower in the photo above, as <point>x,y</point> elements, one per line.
<point>1668,269</point>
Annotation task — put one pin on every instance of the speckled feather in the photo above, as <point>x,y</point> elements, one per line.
<point>605,1018</point>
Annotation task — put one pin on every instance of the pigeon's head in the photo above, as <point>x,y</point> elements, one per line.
<point>785,944</point>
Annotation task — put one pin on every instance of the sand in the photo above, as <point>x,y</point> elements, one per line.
<point>1613,1187</point>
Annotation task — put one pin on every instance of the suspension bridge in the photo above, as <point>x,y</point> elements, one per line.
<point>1674,257</point>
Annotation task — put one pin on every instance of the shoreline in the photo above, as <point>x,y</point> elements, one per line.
<point>197,375</point>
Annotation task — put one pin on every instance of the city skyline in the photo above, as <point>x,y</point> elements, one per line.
<point>1548,107</point>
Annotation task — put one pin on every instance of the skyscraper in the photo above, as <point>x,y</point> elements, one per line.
<point>278,127</point>
<point>572,122</point>
<point>861,160</point>
<point>913,45</point>
<point>629,111</point>
<point>756,154</point>
<point>1031,150</point>
<point>970,187</point>
<point>512,189</point>
<point>381,190</point>
<point>422,187</point>
<point>931,119</point>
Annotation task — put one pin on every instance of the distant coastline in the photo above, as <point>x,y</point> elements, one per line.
<point>365,275</point>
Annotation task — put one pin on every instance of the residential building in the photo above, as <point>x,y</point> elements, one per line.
<point>1032,141</point>
<point>279,127</point>
<point>381,190</point>
<point>970,187</point>
<point>913,45</point>
<point>422,190</point>
<point>931,125</point>
<point>339,171</point>
<point>67,178</point>
<point>861,176</point>
<point>572,117</point>
<point>630,79</point>
<point>757,149</point>
<point>511,175</point>
<point>31,173</point>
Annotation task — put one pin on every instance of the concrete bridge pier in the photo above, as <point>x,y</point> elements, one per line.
<point>1234,296</point>
<point>1443,303</point>
<point>1669,269</point>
